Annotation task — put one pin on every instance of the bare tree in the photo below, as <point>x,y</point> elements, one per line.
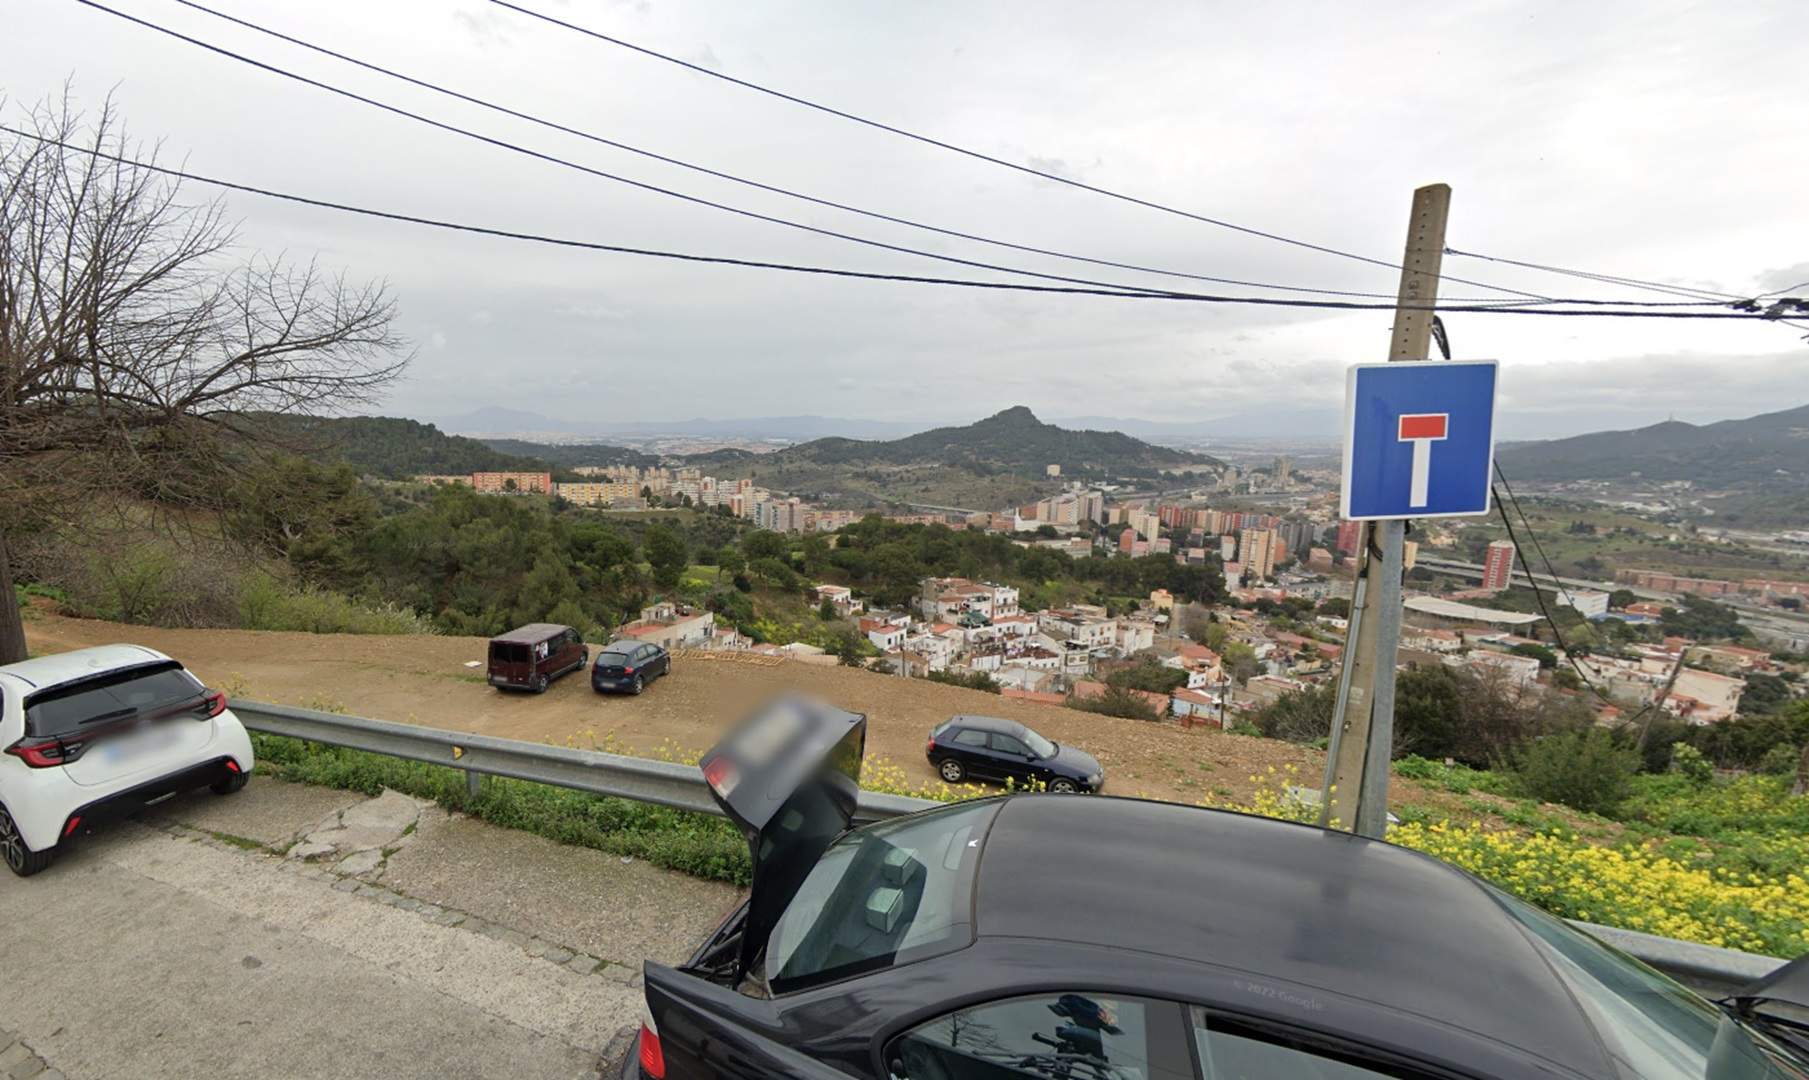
<point>136,354</point>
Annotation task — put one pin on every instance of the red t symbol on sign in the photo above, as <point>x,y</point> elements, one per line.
<point>1422,430</point>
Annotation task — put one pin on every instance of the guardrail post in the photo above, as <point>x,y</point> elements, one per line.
<point>473,784</point>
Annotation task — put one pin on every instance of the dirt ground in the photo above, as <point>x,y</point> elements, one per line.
<point>426,680</point>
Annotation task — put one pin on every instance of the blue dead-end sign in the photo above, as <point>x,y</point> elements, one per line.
<point>1419,439</point>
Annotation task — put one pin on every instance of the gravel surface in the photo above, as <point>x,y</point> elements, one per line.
<point>425,680</point>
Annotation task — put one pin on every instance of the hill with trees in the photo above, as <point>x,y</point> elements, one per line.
<point>1772,448</point>
<point>1011,440</point>
<point>391,447</point>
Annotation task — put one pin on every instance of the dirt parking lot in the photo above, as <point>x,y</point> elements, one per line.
<point>426,680</point>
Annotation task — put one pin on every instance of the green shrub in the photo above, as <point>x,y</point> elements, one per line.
<point>268,603</point>
<point>1780,760</point>
<point>1116,701</point>
<point>1688,762</point>
<point>1584,770</point>
<point>697,844</point>
<point>973,680</point>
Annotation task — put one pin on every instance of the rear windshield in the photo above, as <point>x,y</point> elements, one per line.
<point>117,695</point>
<point>508,652</point>
<point>887,894</point>
<point>613,659</point>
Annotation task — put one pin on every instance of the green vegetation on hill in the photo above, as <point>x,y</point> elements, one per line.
<point>1014,439</point>
<point>390,447</point>
<point>572,455</point>
<point>1771,448</point>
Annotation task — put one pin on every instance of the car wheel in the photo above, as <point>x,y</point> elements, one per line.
<point>20,859</point>
<point>952,771</point>
<point>235,782</point>
<point>1063,784</point>
<point>640,684</point>
<point>540,682</point>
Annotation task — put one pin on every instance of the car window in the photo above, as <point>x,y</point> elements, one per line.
<point>1228,1050</point>
<point>1071,1036</point>
<point>507,652</point>
<point>970,737</point>
<point>613,659</point>
<point>882,895</point>
<point>1009,745</point>
<point>60,710</point>
<point>1039,746</point>
<point>1654,1027</point>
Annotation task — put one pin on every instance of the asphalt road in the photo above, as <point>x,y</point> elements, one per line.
<point>159,949</point>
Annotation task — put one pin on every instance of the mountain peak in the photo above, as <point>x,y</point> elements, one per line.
<point>1016,415</point>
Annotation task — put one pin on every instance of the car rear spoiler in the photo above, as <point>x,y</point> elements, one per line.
<point>788,776</point>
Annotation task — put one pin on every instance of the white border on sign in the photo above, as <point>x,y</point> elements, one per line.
<point>1350,434</point>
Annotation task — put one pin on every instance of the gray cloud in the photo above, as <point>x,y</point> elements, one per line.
<point>1572,135</point>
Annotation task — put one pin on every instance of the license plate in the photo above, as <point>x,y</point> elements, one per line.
<point>127,748</point>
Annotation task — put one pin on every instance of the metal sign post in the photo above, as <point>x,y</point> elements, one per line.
<point>1356,795</point>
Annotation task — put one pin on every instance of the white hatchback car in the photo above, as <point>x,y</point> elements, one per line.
<point>101,732</point>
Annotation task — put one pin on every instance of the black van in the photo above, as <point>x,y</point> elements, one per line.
<point>532,656</point>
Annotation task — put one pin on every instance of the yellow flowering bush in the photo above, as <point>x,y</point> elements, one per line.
<point>1746,891</point>
<point>1628,886</point>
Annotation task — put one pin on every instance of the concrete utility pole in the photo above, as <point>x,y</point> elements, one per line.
<point>1356,769</point>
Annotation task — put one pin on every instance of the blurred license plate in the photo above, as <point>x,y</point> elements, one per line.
<point>139,744</point>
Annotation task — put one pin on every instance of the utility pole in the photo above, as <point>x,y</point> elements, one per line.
<point>1356,768</point>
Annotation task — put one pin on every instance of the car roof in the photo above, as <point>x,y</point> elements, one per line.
<point>988,723</point>
<point>626,643</point>
<point>45,671</point>
<point>1316,907</point>
<point>532,633</point>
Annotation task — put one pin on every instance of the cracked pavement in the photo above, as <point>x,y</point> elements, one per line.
<point>297,931</point>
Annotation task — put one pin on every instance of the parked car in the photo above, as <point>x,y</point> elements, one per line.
<point>1045,936</point>
<point>629,665</point>
<point>97,733</point>
<point>530,657</point>
<point>987,748</point>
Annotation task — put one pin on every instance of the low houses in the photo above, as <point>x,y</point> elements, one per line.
<point>841,598</point>
<point>1519,671</point>
<point>885,634</point>
<point>1704,697</point>
<point>673,626</point>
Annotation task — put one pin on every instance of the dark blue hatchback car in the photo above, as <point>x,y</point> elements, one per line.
<point>627,666</point>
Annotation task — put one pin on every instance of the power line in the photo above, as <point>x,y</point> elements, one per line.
<point>567,163</point>
<point>1041,174</point>
<point>773,188</point>
<point>1607,279</point>
<point>1538,596</point>
<point>1004,286</point>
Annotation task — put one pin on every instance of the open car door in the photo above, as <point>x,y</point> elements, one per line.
<point>788,777</point>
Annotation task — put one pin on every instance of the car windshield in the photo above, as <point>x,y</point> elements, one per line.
<point>613,659</point>
<point>882,895</point>
<point>1654,1028</point>
<point>61,710</point>
<point>1039,746</point>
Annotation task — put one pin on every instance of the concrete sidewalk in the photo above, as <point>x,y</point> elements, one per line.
<point>201,938</point>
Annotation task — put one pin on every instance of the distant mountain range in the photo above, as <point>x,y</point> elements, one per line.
<point>493,421</point>
<point>1013,440</point>
<point>1771,449</point>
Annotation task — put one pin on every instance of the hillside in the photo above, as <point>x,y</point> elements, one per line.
<point>391,447</point>
<point>574,455</point>
<point>1772,449</point>
<point>1013,440</point>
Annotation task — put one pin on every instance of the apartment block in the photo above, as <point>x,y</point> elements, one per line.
<point>1498,566</point>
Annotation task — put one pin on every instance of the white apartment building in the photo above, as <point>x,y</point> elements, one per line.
<point>1134,635</point>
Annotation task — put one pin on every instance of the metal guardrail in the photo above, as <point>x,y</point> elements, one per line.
<point>662,783</point>
<point>1706,968</point>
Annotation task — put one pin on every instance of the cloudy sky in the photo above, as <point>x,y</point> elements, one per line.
<point>1655,140</point>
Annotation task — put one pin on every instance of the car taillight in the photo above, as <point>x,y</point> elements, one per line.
<point>47,753</point>
<point>653,1058</point>
<point>722,776</point>
<point>932,745</point>
<point>628,671</point>
<point>214,703</point>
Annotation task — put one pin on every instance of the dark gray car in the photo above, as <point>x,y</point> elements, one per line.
<point>987,748</point>
<point>627,666</point>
